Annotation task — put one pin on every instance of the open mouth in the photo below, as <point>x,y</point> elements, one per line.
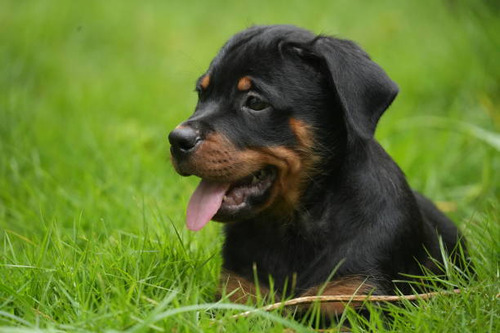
<point>248,190</point>
<point>224,201</point>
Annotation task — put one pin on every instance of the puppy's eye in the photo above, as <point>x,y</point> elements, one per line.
<point>255,103</point>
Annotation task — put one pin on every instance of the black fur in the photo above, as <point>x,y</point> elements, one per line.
<point>358,212</point>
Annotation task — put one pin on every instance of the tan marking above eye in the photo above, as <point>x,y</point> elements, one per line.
<point>205,81</point>
<point>244,84</point>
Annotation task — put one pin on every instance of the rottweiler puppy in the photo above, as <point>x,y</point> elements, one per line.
<point>283,140</point>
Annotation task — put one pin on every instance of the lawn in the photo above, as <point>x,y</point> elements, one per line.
<point>92,234</point>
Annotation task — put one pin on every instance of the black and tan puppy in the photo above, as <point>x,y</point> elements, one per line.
<point>282,139</point>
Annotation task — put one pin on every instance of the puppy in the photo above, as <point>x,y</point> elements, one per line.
<point>283,140</point>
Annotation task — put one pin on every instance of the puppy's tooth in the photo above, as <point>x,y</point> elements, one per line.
<point>255,179</point>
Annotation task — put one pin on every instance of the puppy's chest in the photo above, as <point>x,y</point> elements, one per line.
<point>279,254</point>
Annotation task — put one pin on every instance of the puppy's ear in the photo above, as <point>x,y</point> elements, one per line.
<point>363,88</point>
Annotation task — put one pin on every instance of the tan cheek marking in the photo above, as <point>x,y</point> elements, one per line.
<point>302,133</point>
<point>244,84</point>
<point>218,159</point>
<point>205,81</point>
<point>286,192</point>
<point>296,166</point>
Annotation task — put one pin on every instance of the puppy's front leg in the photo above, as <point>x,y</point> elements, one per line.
<point>239,289</point>
<point>348,286</point>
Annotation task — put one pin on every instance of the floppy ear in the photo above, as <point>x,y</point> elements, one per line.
<point>363,88</point>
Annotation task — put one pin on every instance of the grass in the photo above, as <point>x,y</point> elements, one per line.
<point>92,231</point>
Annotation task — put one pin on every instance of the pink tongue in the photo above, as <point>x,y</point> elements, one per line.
<point>204,203</point>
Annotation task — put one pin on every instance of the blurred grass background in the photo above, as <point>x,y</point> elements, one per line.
<point>91,211</point>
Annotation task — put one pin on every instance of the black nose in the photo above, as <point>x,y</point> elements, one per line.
<point>184,139</point>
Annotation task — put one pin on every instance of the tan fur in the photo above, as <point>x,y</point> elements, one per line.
<point>205,82</point>
<point>351,285</point>
<point>243,291</point>
<point>244,84</point>
<point>217,159</point>
<point>302,132</point>
<point>239,289</point>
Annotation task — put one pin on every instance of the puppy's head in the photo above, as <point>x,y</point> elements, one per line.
<point>275,103</point>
